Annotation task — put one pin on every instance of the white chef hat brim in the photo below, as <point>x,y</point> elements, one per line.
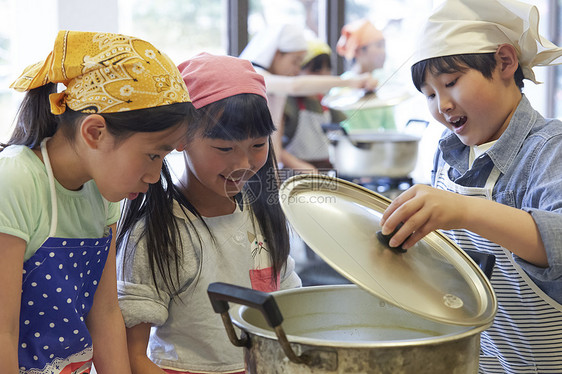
<point>284,38</point>
<point>481,26</point>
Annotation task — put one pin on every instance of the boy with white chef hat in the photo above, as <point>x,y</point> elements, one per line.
<point>497,175</point>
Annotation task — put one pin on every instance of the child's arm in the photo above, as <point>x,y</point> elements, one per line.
<point>307,85</point>
<point>289,277</point>
<point>105,322</point>
<point>12,250</point>
<point>137,342</point>
<point>290,161</point>
<point>423,209</point>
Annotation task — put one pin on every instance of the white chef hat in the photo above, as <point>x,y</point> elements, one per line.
<point>284,38</point>
<point>480,26</point>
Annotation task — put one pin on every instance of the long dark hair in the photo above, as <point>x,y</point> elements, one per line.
<point>485,63</point>
<point>237,117</point>
<point>35,122</point>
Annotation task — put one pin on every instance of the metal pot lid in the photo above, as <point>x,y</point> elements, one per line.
<point>355,99</point>
<point>374,136</point>
<point>434,279</point>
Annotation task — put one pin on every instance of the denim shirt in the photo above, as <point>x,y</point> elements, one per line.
<point>529,155</point>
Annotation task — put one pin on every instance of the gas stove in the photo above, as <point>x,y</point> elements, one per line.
<point>390,187</point>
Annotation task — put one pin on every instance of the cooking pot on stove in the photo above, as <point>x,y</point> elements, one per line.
<point>341,329</point>
<point>368,153</point>
<point>419,311</point>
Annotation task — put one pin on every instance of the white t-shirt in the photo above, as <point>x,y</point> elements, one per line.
<point>187,334</point>
<point>25,203</point>
<point>478,150</point>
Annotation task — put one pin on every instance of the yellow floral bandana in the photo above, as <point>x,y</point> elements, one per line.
<point>105,73</point>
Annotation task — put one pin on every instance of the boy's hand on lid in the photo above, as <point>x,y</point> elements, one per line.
<point>422,209</point>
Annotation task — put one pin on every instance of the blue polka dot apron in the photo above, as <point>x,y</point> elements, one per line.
<point>525,336</point>
<point>59,282</point>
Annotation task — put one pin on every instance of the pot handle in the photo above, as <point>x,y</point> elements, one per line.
<point>413,120</point>
<point>333,127</point>
<point>221,293</point>
<point>423,126</point>
<point>485,261</point>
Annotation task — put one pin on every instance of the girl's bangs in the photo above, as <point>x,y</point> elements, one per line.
<point>241,117</point>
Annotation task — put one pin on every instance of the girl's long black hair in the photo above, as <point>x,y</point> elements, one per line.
<point>237,117</point>
<point>35,122</point>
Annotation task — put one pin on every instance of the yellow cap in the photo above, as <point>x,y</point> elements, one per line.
<point>315,48</point>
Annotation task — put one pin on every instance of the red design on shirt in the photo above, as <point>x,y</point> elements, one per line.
<point>262,280</point>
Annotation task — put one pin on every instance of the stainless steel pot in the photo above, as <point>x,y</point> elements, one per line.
<point>373,153</point>
<point>340,329</point>
<point>415,311</point>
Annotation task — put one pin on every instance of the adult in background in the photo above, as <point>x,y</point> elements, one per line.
<point>364,48</point>
<point>277,53</point>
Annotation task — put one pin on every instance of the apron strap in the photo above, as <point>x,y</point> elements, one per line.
<point>54,213</point>
<point>443,172</point>
<point>492,178</point>
<point>300,103</point>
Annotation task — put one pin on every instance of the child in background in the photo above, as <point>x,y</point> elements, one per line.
<point>497,176</point>
<point>364,47</point>
<point>305,115</point>
<point>220,221</point>
<point>277,53</point>
<point>73,155</point>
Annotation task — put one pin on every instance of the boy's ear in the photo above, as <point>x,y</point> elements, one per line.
<point>93,130</point>
<point>508,62</point>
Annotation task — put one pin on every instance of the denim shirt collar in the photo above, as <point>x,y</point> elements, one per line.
<point>503,153</point>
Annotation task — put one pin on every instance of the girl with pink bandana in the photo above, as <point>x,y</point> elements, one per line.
<point>219,221</point>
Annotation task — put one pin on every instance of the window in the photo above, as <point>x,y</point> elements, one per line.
<point>6,107</point>
<point>26,36</point>
<point>400,21</point>
<point>267,12</point>
<point>180,28</point>
<point>183,28</point>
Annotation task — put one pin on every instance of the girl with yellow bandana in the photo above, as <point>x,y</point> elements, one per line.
<point>72,157</point>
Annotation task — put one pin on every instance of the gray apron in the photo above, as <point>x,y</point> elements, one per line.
<point>309,143</point>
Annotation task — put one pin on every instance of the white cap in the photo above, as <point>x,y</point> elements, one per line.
<point>284,38</point>
<point>481,26</point>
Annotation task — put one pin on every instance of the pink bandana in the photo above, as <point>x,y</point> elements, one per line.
<point>210,78</point>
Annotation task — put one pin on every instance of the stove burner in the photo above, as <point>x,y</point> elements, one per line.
<point>382,185</point>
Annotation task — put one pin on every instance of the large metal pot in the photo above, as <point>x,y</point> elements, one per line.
<point>369,153</point>
<point>415,311</point>
<point>341,329</point>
